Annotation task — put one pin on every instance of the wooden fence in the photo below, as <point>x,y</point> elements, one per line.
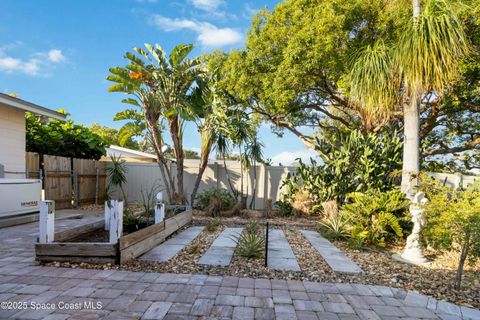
<point>70,182</point>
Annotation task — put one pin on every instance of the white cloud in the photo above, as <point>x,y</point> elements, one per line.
<point>209,35</point>
<point>56,56</point>
<point>30,66</point>
<point>207,5</point>
<point>287,158</point>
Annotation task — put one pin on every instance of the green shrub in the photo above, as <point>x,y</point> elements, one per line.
<point>253,227</point>
<point>222,197</point>
<point>335,227</point>
<point>453,222</point>
<point>214,224</point>
<point>351,162</point>
<point>284,208</point>
<point>251,245</point>
<point>375,217</point>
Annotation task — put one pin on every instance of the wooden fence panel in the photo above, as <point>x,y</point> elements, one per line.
<point>58,180</point>
<point>90,183</point>
<point>32,165</point>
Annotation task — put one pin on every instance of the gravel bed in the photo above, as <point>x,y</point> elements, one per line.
<point>379,269</point>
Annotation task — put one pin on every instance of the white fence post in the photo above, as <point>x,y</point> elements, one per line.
<point>107,209</point>
<point>159,209</point>
<point>47,221</point>
<point>116,220</point>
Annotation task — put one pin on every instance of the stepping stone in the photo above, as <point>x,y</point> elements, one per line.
<point>280,254</point>
<point>221,251</point>
<point>335,258</point>
<point>173,246</point>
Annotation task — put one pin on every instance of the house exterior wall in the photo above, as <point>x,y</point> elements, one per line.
<point>12,140</point>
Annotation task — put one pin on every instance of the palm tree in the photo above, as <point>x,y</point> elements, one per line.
<point>160,86</point>
<point>423,59</point>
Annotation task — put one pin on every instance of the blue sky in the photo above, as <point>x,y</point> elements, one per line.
<point>56,53</point>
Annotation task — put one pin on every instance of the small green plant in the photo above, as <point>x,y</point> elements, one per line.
<point>335,227</point>
<point>453,222</point>
<point>195,249</point>
<point>148,199</point>
<point>253,227</point>
<point>116,174</point>
<point>375,217</point>
<point>222,197</point>
<point>284,208</point>
<point>130,218</point>
<point>214,224</point>
<point>250,245</point>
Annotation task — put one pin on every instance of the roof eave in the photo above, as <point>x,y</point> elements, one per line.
<point>30,107</point>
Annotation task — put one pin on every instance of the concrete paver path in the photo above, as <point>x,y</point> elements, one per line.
<point>280,254</point>
<point>108,294</point>
<point>221,251</point>
<point>335,258</point>
<point>173,246</point>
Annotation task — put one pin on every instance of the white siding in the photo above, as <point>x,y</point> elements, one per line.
<point>12,140</point>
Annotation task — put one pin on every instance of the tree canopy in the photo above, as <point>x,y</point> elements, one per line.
<point>295,73</point>
<point>113,136</point>
<point>62,138</point>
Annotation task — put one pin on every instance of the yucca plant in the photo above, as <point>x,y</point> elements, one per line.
<point>253,227</point>
<point>250,245</point>
<point>214,224</point>
<point>116,174</point>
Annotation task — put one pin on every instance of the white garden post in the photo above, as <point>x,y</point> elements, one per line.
<point>116,220</point>
<point>47,221</point>
<point>107,210</point>
<point>159,209</point>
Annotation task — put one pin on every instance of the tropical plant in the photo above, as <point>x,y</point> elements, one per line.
<point>352,162</point>
<point>62,138</point>
<point>375,217</point>
<point>214,224</point>
<point>159,86</point>
<point>250,245</point>
<point>222,196</point>
<point>116,175</point>
<point>453,222</point>
<point>423,59</point>
<point>335,227</point>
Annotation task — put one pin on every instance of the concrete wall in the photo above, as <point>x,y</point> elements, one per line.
<point>12,140</point>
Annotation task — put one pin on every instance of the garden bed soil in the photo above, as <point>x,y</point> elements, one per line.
<point>435,280</point>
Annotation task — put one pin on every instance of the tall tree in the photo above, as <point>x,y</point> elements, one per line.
<point>295,71</point>
<point>423,59</point>
<point>159,86</point>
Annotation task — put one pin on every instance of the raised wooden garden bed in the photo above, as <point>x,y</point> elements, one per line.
<point>129,246</point>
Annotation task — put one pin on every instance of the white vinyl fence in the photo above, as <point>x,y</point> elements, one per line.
<point>262,182</point>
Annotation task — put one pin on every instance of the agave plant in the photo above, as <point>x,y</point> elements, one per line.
<point>250,245</point>
<point>336,227</point>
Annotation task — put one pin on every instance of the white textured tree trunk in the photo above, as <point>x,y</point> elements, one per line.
<point>411,148</point>
<point>411,131</point>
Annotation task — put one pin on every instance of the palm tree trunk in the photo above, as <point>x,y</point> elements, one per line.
<point>411,148</point>
<point>254,188</point>
<point>175,133</point>
<point>228,175</point>
<point>411,129</point>
<point>161,161</point>
<point>207,143</point>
